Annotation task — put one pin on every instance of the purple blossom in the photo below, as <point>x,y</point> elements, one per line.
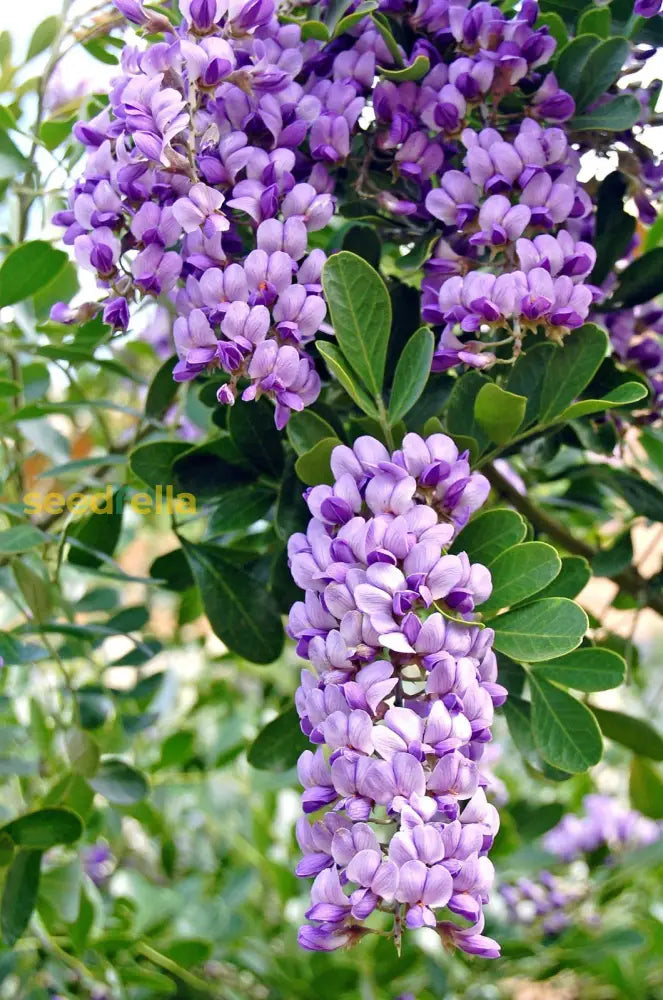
<point>372,560</point>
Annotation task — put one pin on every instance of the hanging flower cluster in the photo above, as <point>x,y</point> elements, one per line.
<point>399,701</point>
<point>222,146</point>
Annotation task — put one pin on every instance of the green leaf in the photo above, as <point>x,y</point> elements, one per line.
<point>565,731</point>
<point>546,628</point>
<point>313,467</point>
<point>646,788</point>
<point>571,368</point>
<point>489,534</point>
<point>37,591</point>
<point>44,828</point>
<point>609,562</point>
<point>83,753</point>
<point>334,12</point>
<point>556,27</point>
<point>499,412</point>
<point>292,513</point>
<point>622,395</point>
<point>526,378</point>
<point>277,747</point>
<point>173,569</point>
<point>43,36</point>
<point>614,226</point>
<point>54,131</point>
<point>208,470</point>
<point>153,462</point>
<point>365,242</point>
<point>305,429</point>
<point>6,850</point>
<point>99,531</point>
<point>20,538</point>
<point>118,782</point>
<point>617,115</point>
<point>19,895</point>
<point>254,433</point>
<point>460,417</point>
<point>240,508</point>
<point>636,734</point>
<point>315,29</point>
<point>241,612</point>
<point>60,891</point>
<point>596,21</point>
<point>349,21</point>
<point>520,572</point>
<point>601,70</point>
<point>411,375</point>
<point>338,367</point>
<point>162,391</point>
<point>360,311</point>
<point>415,71</point>
<point>28,268</point>
<point>573,576</point>
<point>590,668</point>
<point>641,281</point>
<point>572,60</point>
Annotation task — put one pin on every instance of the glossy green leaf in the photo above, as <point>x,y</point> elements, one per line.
<point>44,828</point>
<point>305,429</point>
<point>338,367</point>
<point>208,470</point>
<point>119,782</point>
<point>162,391</point>
<point>277,747</point>
<point>646,788</point>
<point>254,433</point>
<point>573,576</point>
<point>641,281</point>
<point>520,572</point>
<point>173,568</point>
<point>590,668</point>
<point>153,462</point>
<point>616,115</point>
<point>98,531</point>
<point>489,534</point>
<point>571,368</point>
<point>612,560</point>
<point>614,226</point>
<point>313,467</point>
<point>19,895</point>
<point>460,417</point>
<point>28,268</point>
<point>38,592</point>
<point>360,312</point>
<point>241,612</point>
<point>556,27</point>
<point>240,508</point>
<point>622,395</point>
<point>527,375</point>
<point>315,29</point>
<point>20,538</point>
<point>499,412</point>
<point>60,890</point>
<point>601,70</point>
<point>565,731</point>
<point>636,734</point>
<point>596,21</point>
<point>572,60</point>
<point>542,630</point>
<point>415,71</point>
<point>412,373</point>
<point>349,21</point>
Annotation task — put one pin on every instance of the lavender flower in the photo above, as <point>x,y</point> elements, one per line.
<point>405,734</point>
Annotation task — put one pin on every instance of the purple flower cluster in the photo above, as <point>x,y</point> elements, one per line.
<point>400,698</point>
<point>637,340</point>
<point>606,823</point>
<point>545,901</point>
<point>205,176</point>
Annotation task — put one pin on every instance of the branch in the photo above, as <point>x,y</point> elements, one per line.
<point>629,580</point>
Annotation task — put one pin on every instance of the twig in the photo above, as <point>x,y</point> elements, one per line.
<point>629,580</point>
